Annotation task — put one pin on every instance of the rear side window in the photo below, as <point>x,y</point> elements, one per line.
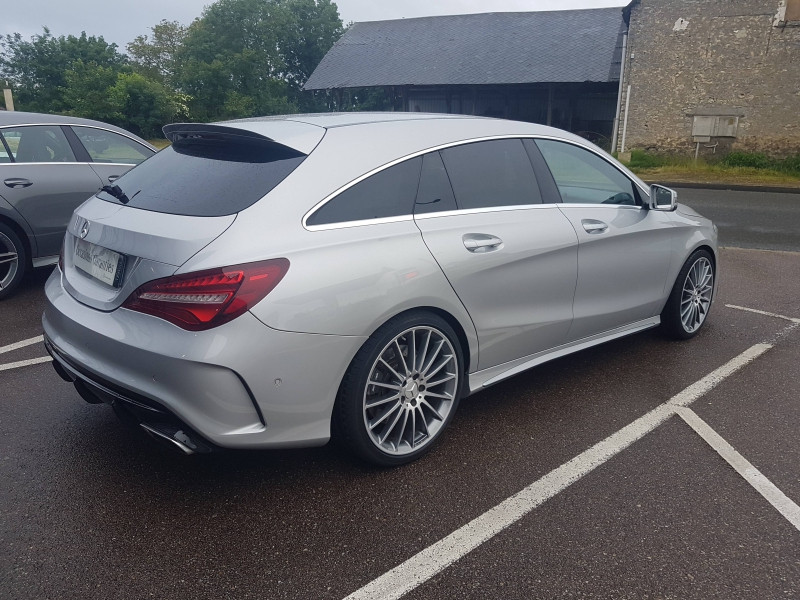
<point>435,193</point>
<point>491,174</point>
<point>109,147</point>
<point>206,178</point>
<point>388,193</point>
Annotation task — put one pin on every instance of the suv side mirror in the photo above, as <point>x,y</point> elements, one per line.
<point>663,198</point>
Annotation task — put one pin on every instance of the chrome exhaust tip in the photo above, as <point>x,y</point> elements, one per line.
<point>176,438</point>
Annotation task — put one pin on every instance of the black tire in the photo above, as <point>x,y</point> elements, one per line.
<point>673,324</point>
<point>351,413</point>
<point>13,261</point>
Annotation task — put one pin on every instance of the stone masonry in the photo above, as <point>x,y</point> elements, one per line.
<point>729,58</point>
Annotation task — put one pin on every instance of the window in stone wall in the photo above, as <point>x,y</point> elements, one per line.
<point>705,127</point>
<point>788,13</point>
<point>793,10</point>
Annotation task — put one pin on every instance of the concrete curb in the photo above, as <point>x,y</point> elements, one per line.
<point>728,187</point>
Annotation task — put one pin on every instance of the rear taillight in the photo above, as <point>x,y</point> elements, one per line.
<point>206,299</point>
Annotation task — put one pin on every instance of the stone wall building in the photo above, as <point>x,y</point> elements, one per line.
<point>555,67</point>
<point>698,76</point>
<point>712,76</point>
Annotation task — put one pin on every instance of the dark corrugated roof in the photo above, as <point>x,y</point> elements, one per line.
<point>493,48</point>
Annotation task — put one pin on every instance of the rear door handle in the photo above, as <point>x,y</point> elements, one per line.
<point>592,226</point>
<point>481,242</point>
<point>113,178</point>
<point>17,182</point>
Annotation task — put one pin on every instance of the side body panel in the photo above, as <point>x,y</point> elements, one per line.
<point>519,293</point>
<point>347,281</point>
<point>622,269</point>
<point>55,190</point>
<point>110,172</point>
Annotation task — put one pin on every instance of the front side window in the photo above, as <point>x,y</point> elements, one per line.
<point>583,177</point>
<point>491,174</point>
<point>387,193</point>
<point>109,147</point>
<point>38,144</point>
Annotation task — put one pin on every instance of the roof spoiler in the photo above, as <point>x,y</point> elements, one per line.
<point>291,135</point>
<point>204,131</point>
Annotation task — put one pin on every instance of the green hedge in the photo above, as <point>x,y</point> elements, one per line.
<point>757,160</point>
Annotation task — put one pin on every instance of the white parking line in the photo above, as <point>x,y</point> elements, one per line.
<point>22,344</point>
<point>423,566</point>
<point>763,312</point>
<point>754,477</point>
<point>25,363</point>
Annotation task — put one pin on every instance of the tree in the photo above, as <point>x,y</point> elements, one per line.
<point>144,106</point>
<point>248,57</point>
<point>85,93</point>
<point>37,69</point>
<point>156,57</point>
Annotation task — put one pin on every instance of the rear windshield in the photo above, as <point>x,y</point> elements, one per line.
<point>205,178</point>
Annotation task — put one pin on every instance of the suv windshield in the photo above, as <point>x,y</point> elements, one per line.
<point>206,177</point>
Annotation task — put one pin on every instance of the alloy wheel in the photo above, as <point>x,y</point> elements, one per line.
<point>410,390</point>
<point>9,261</point>
<point>696,296</point>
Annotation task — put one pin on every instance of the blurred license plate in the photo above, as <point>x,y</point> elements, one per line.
<point>101,263</point>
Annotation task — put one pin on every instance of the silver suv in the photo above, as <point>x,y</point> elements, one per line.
<point>264,283</point>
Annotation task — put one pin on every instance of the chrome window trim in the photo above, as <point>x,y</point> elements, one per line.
<point>361,223</point>
<point>72,162</point>
<point>591,205</point>
<point>529,136</point>
<point>486,209</point>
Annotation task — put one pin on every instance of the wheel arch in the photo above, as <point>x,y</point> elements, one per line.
<point>451,320</point>
<point>22,235</point>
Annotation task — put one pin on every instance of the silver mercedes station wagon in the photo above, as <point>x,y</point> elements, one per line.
<point>266,282</point>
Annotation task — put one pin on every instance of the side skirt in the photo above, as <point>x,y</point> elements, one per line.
<point>492,375</point>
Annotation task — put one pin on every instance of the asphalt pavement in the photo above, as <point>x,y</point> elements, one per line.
<point>765,220</point>
<point>613,493</point>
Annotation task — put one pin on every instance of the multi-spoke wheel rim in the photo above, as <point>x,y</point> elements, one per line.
<point>410,390</point>
<point>696,296</point>
<point>9,261</point>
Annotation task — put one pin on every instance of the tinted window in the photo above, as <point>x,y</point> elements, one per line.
<point>108,147</point>
<point>494,173</point>
<point>39,143</point>
<point>4,153</point>
<point>206,179</point>
<point>435,193</point>
<point>584,177</point>
<point>388,193</point>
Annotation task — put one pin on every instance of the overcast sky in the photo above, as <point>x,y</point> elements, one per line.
<point>121,21</point>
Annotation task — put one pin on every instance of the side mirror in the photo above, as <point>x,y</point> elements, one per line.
<point>663,198</point>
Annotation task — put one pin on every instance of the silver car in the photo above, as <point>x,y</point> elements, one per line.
<point>49,165</point>
<point>264,283</point>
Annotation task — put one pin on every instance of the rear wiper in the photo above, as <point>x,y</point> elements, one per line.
<point>116,191</point>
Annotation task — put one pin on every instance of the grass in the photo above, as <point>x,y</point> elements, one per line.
<point>159,143</point>
<point>738,168</point>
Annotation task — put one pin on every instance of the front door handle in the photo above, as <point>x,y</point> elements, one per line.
<point>113,178</point>
<point>17,182</point>
<point>592,226</point>
<point>481,242</point>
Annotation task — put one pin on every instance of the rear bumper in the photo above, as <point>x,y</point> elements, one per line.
<point>241,385</point>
